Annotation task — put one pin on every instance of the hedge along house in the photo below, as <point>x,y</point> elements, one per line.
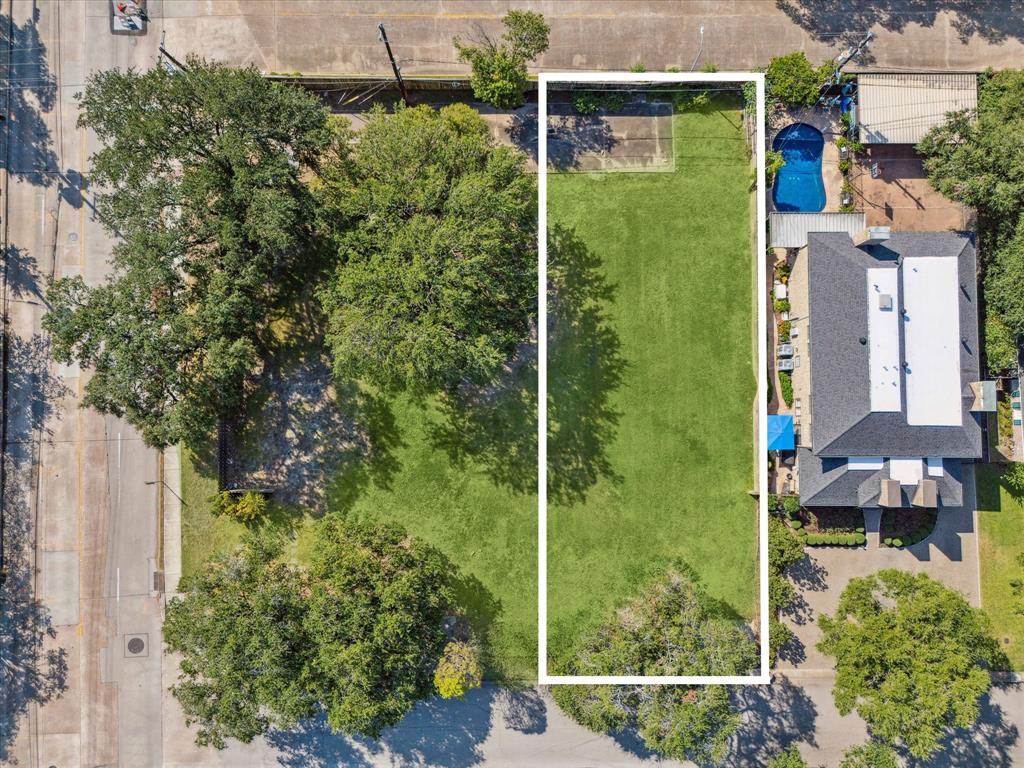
<point>891,374</point>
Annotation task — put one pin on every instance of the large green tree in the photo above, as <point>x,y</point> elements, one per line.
<point>377,611</point>
<point>788,758</point>
<point>359,634</point>
<point>238,625</point>
<point>499,68</point>
<point>436,280</point>
<point>975,158</point>
<point>913,658</point>
<point>200,177</point>
<point>672,628</point>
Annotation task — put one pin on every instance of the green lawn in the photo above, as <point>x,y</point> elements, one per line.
<point>651,378</point>
<point>479,508</point>
<point>1000,542</point>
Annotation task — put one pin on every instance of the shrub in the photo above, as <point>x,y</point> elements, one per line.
<point>773,162</point>
<point>786,387</point>
<point>1013,478</point>
<point>709,66</point>
<point>773,502</point>
<point>859,529</point>
<point>797,524</point>
<point>781,305</point>
<point>700,101</point>
<point>896,542</point>
<point>861,539</point>
<point>782,271</point>
<point>844,120</point>
<point>585,103</point>
<point>785,329</point>
<point>888,541</point>
<point>794,81</point>
<point>638,67</point>
<point>457,671</point>
<point>844,166</point>
<point>1000,344</point>
<point>791,505</point>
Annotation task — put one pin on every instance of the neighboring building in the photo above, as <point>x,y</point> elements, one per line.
<point>895,392</point>
<point>902,108</point>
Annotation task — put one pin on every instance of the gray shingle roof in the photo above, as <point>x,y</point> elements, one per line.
<point>842,421</point>
<point>828,482</point>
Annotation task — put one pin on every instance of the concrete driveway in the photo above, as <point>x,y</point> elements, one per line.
<point>949,555</point>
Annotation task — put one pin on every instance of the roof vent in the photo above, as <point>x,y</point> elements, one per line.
<point>885,301</point>
<point>873,236</point>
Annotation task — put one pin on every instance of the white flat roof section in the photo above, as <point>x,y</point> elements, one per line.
<point>907,471</point>
<point>884,339</point>
<point>901,108</point>
<point>931,335</point>
<point>874,463</point>
<point>934,466</point>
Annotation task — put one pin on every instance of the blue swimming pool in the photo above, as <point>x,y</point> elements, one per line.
<point>798,186</point>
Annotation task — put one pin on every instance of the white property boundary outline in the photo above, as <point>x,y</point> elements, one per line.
<point>764,677</point>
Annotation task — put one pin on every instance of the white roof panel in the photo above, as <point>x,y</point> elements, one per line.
<point>931,331</point>
<point>884,339</point>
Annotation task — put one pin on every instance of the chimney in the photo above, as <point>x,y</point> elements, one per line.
<point>926,494</point>
<point>890,495</point>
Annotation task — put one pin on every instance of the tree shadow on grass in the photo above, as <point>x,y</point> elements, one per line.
<point>496,426</point>
<point>847,22</point>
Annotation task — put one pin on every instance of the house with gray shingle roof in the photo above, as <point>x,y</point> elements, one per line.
<point>895,396</point>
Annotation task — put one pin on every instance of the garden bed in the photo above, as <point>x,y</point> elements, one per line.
<point>828,526</point>
<point>905,527</point>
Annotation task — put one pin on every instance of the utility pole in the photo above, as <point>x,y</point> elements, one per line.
<point>394,64</point>
<point>164,52</point>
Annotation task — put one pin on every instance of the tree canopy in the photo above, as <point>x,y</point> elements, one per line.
<point>913,658</point>
<point>671,628</point>
<point>376,611</point>
<point>794,81</point>
<point>788,758</point>
<point>974,158</point>
<point>359,634</point>
<point>199,175</point>
<point>784,551</point>
<point>239,628</point>
<point>436,280</point>
<point>870,755</point>
<point>499,69</point>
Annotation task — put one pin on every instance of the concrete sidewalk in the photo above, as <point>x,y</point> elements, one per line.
<point>317,37</point>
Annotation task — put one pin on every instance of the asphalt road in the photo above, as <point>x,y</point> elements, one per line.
<point>76,491</point>
<point>325,37</point>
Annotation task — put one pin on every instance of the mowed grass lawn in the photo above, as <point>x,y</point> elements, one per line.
<point>675,251</point>
<point>487,530</point>
<point>1000,542</point>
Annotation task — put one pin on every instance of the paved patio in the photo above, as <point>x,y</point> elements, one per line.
<point>949,555</point>
<point>900,196</point>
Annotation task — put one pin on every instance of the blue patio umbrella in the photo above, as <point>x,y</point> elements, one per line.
<point>780,433</point>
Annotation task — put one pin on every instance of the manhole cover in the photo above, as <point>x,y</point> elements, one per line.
<point>136,645</point>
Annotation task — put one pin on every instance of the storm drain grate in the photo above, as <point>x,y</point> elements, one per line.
<point>136,645</point>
